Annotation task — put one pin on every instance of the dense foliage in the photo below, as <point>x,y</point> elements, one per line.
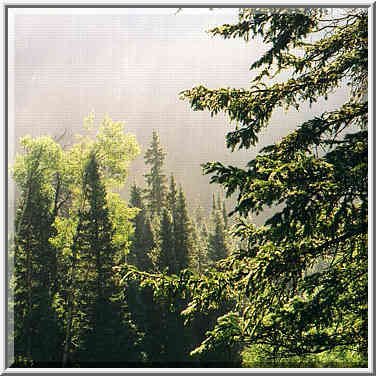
<point>72,230</point>
<point>300,281</point>
<point>154,282</point>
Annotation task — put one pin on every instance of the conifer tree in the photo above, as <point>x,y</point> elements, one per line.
<point>315,177</point>
<point>35,261</point>
<point>217,244</point>
<point>199,216</point>
<point>107,331</point>
<point>51,231</point>
<point>198,254</point>
<point>172,197</point>
<point>155,179</point>
<point>219,202</point>
<point>225,215</point>
<point>143,238</point>
<point>182,232</point>
<point>167,259</point>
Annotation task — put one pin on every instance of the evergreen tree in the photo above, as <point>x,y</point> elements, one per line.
<point>107,329</point>
<point>164,333</point>
<point>182,232</point>
<point>199,216</point>
<point>218,245</point>
<point>156,180</point>
<point>219,202</point>
<point>225,215</point>
<point>167,259</point>
<point>317,174</point>
<point>172,197</point>
<point>35,258</point>
<point>49,304</point>
<point>198,254</point>
<point>37,331</point>
<point>143,238</point>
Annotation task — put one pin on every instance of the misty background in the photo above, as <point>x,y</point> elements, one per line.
<point>131,64</point>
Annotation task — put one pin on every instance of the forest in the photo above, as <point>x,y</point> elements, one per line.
<point>156,281</point>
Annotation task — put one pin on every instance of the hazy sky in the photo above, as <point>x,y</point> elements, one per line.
<point>131,64</point>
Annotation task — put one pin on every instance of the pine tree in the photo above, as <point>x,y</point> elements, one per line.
<point>35,263</point>
<point>225,215</point>
<point>107,331</point>
<point>35,258</point>
<point>156,180</point>
<point>316,178</point>
<point>198,254</point>
<point>219,202</point>
<point>182,232</point>
<point>172,197</point>
<point>167,259</point>
<point>50,237</point>
<point>218,245</point>
<point>199,216</point>
<point>142,238</point>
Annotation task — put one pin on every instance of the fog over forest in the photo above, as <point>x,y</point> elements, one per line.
<point>121,254</point>
<point>131,64</point>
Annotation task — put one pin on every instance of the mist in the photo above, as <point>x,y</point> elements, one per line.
<point>131,64</point>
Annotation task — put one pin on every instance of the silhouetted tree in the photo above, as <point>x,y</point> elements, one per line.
<point>155,179</point>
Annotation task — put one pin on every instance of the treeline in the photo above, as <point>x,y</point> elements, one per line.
<point>71,230</point>
<point>167,238</point>
<point>97,280</point>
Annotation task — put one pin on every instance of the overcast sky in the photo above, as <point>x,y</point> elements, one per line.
<point>131,64</point>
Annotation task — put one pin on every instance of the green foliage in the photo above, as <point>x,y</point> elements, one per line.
<point>299,281</point>
<point>115,151</point>
<point>171,336</point>
<point>120,215</point>
<point>198,254</point>
<point>338,56</point>
<point>323,195</point>
<point>218,245</point>
<point>104,329</point>
<point>54,272</point>
<point>254,357</point>
<point>156,180</point>
<point>167,259</point>
<point>294,292</point>
<point>182,232</point>
<point>143,241</point>
<point>175,233</point>
<point>35,261</point>
<point>165,340</point>
<point>172,195</point>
